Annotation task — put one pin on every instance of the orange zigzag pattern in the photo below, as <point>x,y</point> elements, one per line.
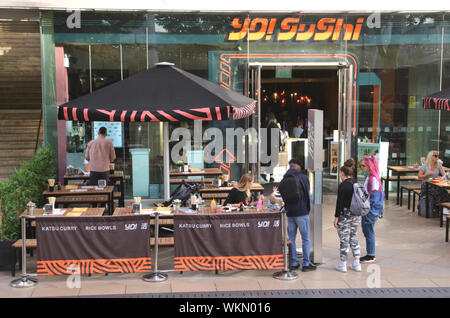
<point>94,266</point>
<point>205,263</point>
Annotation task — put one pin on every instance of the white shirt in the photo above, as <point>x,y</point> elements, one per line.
<point>375,184</point>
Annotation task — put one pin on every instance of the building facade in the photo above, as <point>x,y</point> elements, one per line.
<point>368,72</point>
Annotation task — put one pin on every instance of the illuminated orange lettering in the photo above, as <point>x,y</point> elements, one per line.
<point>236,36</point>
<point>357,29</point>
<point>255,36</point>
<point>304,36</point>
<point>321,26</point>
<point>264,28</point>
<point>348,31</point>
<point>292,30</point>
<point>337,29</point>
<point>271,28</point>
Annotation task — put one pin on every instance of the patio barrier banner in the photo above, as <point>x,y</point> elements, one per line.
<point>228,242</point>
<point>93,245</point>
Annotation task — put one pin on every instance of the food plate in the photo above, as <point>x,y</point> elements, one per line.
<point>435,180</point>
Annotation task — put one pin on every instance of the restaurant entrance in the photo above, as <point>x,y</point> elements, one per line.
<point>284,93</point>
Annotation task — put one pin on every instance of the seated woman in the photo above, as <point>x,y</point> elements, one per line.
<point>432,168</point>
<point>241,193</point>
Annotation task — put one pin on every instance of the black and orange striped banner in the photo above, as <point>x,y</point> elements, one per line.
<point>93,245</point>
<point>240,241</point>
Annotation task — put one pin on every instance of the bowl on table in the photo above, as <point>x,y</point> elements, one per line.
<point>436,180</point>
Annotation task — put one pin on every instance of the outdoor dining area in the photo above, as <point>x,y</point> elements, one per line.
<point>89,229</point>
<point>407,180</point>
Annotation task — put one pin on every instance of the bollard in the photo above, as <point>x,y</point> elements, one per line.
<point>155,276</point>
<point>286,274</point>
<point>24,281</point>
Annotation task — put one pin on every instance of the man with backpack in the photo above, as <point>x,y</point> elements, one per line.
<point>294,189</point>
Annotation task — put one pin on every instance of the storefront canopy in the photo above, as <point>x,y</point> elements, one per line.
<point>438,101</point>
<point>163,93</point>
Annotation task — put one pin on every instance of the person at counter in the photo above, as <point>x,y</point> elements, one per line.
<point>241,193</point>
<point>297,131</point>
<point>431,169</point>
<point>100,153</point>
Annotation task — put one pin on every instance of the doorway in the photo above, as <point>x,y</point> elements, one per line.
<point>284,93</point>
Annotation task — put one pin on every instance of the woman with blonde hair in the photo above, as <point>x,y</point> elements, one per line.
<point>241,193</point>
<point>432,168</point>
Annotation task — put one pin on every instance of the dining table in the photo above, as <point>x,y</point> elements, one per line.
<point>116,176</point>
<point>403,173</point>
<point>430,183</point>
<point>76,194</point>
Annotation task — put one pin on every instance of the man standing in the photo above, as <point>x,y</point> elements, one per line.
<point>294,189</point>
<point>100,153</point>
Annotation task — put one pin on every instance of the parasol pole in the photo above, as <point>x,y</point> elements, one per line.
<point>440,79</point>
<point>166,160</point>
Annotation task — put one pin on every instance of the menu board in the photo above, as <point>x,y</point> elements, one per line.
<point>114,130</point>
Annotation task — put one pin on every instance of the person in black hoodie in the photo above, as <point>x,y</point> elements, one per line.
<point>346,223</point>
<point>298,218</point>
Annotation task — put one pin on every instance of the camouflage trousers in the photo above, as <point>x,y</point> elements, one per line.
<point>348,236</point>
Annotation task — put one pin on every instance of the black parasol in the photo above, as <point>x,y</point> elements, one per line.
<point>162,93</point>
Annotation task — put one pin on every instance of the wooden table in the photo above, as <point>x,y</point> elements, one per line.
<point>441,185</point>
<point>203,172</point>
<point>116,176</point>
<point>84,193</point>
<point>87,212</point>
<point>401,176</point>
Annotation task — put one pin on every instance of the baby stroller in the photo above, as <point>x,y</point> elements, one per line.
<point>183,192</point>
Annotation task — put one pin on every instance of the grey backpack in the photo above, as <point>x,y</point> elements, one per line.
<point>360,205</point>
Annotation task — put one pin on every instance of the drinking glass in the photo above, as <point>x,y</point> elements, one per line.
<point>101,183</point>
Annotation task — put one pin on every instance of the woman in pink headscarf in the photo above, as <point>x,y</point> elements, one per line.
<point>372,183</point>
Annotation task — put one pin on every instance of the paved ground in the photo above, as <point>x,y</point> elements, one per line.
<point>411,252</point>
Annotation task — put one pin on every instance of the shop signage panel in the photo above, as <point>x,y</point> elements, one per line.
<point>93,245</point>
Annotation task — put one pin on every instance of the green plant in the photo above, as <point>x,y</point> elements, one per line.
<point>180,163</point>
<point>24,185</point>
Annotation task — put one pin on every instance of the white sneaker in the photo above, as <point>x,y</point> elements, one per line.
<point>356,266</point>
<point>342,267</point>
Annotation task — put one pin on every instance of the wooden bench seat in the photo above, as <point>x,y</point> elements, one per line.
<point>216,196</point>
<point>179,181</point>
<point>163,241</point>
<point>410,188</point>
<point>402,178</point>
<point>29,243</point>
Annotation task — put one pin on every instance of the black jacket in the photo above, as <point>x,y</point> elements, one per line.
<point>236,196</point>
<point>344,197</point>
<point>302,207</point>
